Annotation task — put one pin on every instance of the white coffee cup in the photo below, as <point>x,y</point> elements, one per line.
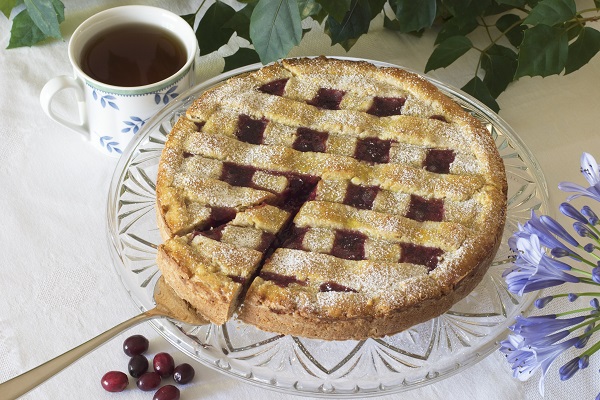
<point>110,116</point>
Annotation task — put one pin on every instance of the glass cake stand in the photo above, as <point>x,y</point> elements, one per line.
<point>424,354</point>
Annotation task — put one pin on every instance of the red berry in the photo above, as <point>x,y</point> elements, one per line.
<point>134,345</point>
<point>149,381</point>
<point>164,364</point>
<point>184,373</point>
<point>167,392</point>
<point>137,365</point>
<point>114,381</point>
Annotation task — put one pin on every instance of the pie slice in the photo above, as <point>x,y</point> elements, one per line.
<point>328,198</point>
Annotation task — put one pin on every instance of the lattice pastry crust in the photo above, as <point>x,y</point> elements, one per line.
<point>328,198</point>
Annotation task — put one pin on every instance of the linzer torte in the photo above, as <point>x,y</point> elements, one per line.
<point>328,198</point>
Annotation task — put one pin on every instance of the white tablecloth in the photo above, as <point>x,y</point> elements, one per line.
<point>58,288</point>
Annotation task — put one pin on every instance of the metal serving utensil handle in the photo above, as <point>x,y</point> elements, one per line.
<point>25,382</point>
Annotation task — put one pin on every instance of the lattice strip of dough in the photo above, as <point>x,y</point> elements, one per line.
<point>447,236</point>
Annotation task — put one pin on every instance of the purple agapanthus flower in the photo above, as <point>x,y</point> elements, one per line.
<point>535,342</point>
<point>591,172</point>
<point>569,369</point>
<point>543,325</point>
<point>533,269</point>
<point>525,360</point>
<point>534,226</point>
<point>571,212</point>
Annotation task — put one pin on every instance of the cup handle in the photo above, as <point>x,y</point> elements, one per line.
<point>57,84</point>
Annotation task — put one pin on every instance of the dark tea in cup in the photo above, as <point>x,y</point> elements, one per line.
<point>133,55</point>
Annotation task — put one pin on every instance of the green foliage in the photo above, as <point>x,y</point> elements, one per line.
<point>275,27</point>
<point>39,20</point>
<point>526,37</point>
<point>213,31</point>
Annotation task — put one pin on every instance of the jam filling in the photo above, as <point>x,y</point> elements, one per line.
<point>310,140</point>
<point>349,245</point>
<point>299,189</point>
<point>275,87</point>
<point>214,233</point>
<point>373,150</point>
<point>294,237</point>
<point>335,287</point>
<point>438,161</point>
<point>221,216</point>
<point>421,209</point>
<point>439,118</point>
<point>360,196</point>
<point>251,130</point>
<point>281,280</point>
<point>237,279</point>
<point>328,99</point>
<point>386,106</point>
<point>237,175</point>
<point>421,255</point>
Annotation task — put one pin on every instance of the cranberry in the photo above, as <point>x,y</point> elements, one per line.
<point>134,345</point>
<point>137,366</point>
<point>167,392</point>
<point>114,381</point>
<point>164,364</point>
<point>149,381</point>
<point>184,373</point>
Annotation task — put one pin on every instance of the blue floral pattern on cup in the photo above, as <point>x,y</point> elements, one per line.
<point>166,96</point>
<point>106,100</point>
<point>109,144</point>
<point>134,124</point>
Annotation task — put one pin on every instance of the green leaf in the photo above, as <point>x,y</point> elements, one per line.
<point>376,7</point>
<point>240,22</point>
<point>551,12</point>
<point>6,6</point>
<point>391,24</point>
<point>597,3</point>
<point>447,52</point>
<point>24,31</point>
<point>456,26</point>
<point>583,49</point>
<point>44,16</point>
<point>414,15</point>
<point>513,3</point>
<point>308,8</point>
<point>510,25</point>
<point>573,29</point>
<point>244,56</point>
<point>476,88</point>
<point>543,51</point>
<point>59,8</point>
<point>212,32</point>
<point>467,7</point>
<point>356,22</point>
<point>275,27</point>
<point>336,9</point>
<point>500,65</point>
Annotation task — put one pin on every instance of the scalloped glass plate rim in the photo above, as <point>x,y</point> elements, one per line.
<point>171,333</point>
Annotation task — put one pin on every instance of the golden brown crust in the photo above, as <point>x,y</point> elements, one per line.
<point>166,299</point>
<point>211,266</point>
